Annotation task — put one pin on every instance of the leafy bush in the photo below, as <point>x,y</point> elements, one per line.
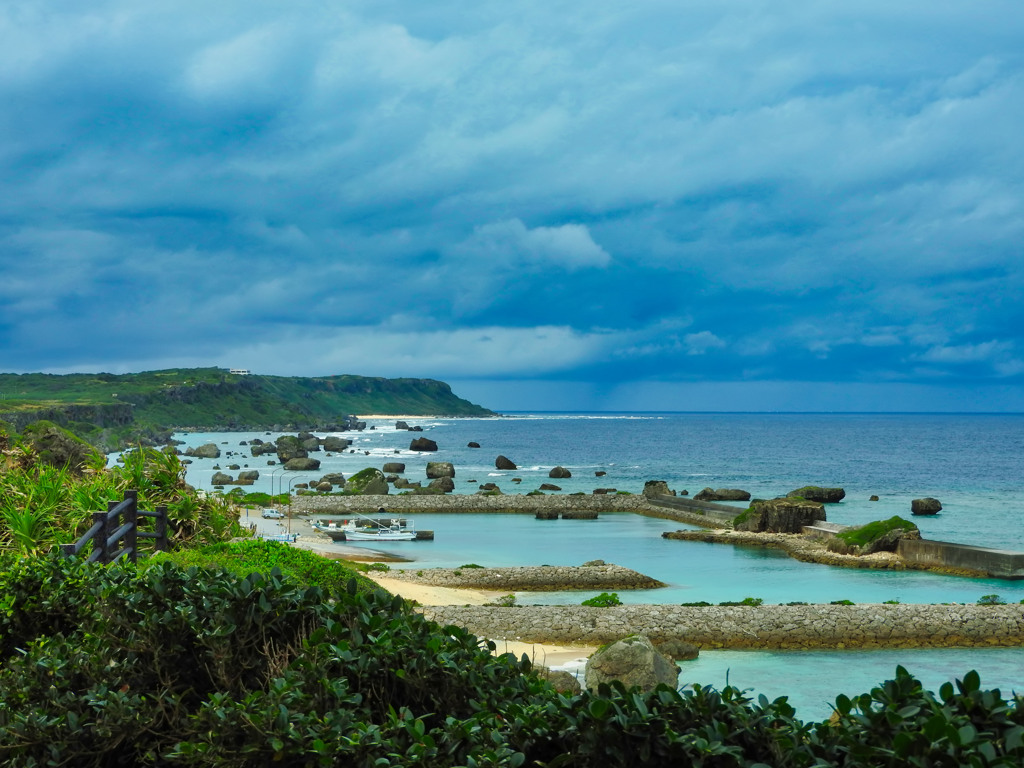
<point>751,601</point>
<point>991,600</point>
<point>188,666</point>
<point>604,600</point>
<point>261,556</point>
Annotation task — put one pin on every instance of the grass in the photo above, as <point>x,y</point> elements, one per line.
<point>870,532</point>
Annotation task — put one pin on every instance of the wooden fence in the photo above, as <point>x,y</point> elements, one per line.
<point>115,533</point>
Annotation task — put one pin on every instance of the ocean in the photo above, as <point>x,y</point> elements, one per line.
<point>972,463</point>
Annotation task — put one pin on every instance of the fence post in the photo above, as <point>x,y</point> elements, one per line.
<point>107,527</point>
<point>162,544</point>
<point>131,516</point>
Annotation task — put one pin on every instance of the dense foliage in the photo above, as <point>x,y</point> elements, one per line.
<point>259,556</point>
<point>164,665</point>
<point>48,494</point>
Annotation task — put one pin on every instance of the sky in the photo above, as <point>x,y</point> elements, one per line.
<point>795,205</point>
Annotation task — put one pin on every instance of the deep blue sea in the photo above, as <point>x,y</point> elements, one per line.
<point>974,464</point>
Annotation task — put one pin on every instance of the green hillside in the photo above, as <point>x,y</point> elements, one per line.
<point>107,408</point>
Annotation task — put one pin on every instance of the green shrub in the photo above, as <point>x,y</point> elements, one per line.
<point>604,600</point>
<point>189,666</point>
<point>259,556</point>
<point>991,600</point>
<point>751,601</point>
<point>842,602</point>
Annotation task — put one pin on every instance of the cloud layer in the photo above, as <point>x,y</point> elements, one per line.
<point>616,199</point>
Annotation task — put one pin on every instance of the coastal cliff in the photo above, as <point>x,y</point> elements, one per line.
<point>112,410</point>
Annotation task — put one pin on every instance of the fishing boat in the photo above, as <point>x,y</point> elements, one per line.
<point>394,532</point>
<point>364,528</point>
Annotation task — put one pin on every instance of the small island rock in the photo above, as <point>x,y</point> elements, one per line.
<point>503,463</point>
<point>925,506</point>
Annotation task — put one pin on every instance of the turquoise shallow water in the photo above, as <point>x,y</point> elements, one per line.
<point>973,464</point>
<point>812,679</point>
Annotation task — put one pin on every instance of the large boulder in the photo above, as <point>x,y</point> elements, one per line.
<point>220,478</point>
<point>402,482</point>
<point>633,661</point>
<point>779,516</point>
<point>722,494</point>
<point>444,484</point>
<point>369,482</point>
<point>336,444</point>
<point>310,444</point>
<point>206,451</point>
<point>472,444</point>
<point>559,473</point>
<point>249,474</point>
<point>436,469</point>
<point>651,487</point>
<point>289,447</point>
<point>302,464</point>
<point>878,536</point>
<point>503,463</point>
<point>818,494</point>
<point>422,444</point>
<point>925,506</point>
<point>393,468</point>
<point>402,425</point>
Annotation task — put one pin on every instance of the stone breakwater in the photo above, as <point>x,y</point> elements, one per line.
<point>833,627</point>
<point>543,578</point>
<point>504,503</point>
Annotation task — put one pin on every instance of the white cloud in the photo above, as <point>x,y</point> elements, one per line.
<point>702,342</point>
<point>512,244</point>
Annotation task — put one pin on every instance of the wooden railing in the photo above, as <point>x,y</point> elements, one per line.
<point>115,533</point>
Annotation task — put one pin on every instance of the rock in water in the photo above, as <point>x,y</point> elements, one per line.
<point>422,444</point>
<point>722,494</point>
<point>394,468</point>
<point>818,494</point>
<point>206,451</point>
<point>635,662</point>
<point>779,516</point>
<point>302,464</point>
<point>559,473</point>
<point>503,463</point>
<point>925,506</point>
<point>652,487</point>
<point>436,469</point>
<point>369,482</point>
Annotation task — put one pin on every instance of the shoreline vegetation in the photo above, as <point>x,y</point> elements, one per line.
<point>232,651</point>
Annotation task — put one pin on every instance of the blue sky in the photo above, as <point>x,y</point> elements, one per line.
<point>785,205</point>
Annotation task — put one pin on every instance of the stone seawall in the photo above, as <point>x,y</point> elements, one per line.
<point>504,503</point>
<point>542,578</point>
<point>749,627</point>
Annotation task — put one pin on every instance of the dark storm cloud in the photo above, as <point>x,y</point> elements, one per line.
<point>633,197</point>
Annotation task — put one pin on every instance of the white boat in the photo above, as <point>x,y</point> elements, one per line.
<point>381,533</point>
<point>369,529</point>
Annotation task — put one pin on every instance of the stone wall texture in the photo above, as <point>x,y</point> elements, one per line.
<point>540,578</point>
<point>749,627</point>
<point>504,503</point>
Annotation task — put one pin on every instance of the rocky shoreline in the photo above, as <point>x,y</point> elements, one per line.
<point>542,578</point>
<point>806,627</point>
